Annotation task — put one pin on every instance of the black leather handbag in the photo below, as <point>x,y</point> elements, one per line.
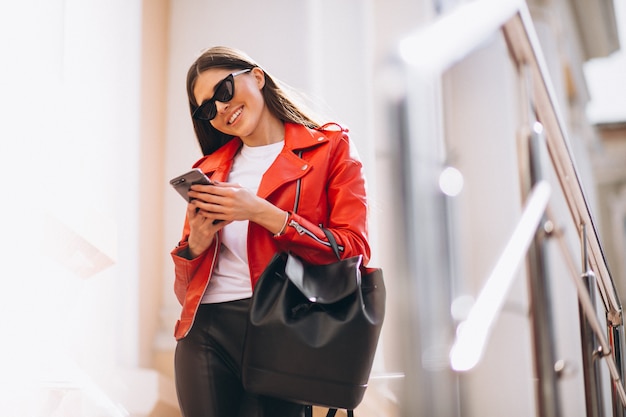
<point>313,331</point>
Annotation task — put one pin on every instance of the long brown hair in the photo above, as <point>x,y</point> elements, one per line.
<point>276,98</point>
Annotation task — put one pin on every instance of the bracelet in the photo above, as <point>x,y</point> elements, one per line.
<point>282,229</point>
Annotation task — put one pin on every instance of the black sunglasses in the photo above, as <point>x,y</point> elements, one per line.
<point>224,92</point>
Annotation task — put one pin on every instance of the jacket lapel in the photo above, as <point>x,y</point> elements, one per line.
<point>288,166</point>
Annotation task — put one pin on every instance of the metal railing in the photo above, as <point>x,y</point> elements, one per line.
<point>458,34</point>
<point>525,49</point>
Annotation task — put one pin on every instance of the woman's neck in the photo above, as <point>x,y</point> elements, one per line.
<point>271,131</point>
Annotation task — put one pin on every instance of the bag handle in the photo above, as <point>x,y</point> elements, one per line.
<point>333,411</point>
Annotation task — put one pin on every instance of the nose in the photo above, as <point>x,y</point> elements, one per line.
<point>220,107</point>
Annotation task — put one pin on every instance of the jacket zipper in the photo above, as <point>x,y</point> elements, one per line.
<point>303,230</point>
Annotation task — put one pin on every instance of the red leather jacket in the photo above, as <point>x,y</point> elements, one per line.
<point>332,194</point>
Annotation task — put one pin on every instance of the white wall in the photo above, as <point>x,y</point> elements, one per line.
<point>482,118</point>
<point>68,154</point>
<point>606,79</point>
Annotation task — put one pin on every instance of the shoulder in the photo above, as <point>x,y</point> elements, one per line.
<point>300,137</point>
<point>343,148</point>
<point>333,129</point>
<point>220,156</point>
<point>335,134</point>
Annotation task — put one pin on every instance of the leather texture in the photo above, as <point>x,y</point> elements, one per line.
<point>319,283</point>
<point>315,345</point>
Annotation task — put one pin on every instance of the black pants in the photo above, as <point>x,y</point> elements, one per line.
<point>208,368</point>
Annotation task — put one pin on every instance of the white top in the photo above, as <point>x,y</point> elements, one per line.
<point>231,276</point>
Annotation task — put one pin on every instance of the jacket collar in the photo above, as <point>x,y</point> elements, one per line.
<point>300,137</point>
<point>288,166</point>
<point>297,137</point>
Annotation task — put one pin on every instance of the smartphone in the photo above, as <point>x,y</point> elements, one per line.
<point>183,182</point>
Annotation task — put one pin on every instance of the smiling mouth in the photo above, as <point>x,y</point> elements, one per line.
<point>235,116</point>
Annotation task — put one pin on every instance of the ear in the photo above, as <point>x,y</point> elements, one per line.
<point>259,75</point>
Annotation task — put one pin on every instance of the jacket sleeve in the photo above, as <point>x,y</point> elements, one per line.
<point>186,270</point>
<point>348,212</point>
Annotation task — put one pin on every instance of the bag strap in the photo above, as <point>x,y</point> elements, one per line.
<point>333,411</point>
<point>308,410</point>
<point>332,241</point>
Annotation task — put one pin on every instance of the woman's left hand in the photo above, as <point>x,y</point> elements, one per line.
<point>225,201</point>
<point>231,202</point>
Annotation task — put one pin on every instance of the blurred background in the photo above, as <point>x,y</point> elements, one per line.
<point>439,97</point>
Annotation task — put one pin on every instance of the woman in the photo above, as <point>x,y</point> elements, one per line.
<point>256,143</point>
